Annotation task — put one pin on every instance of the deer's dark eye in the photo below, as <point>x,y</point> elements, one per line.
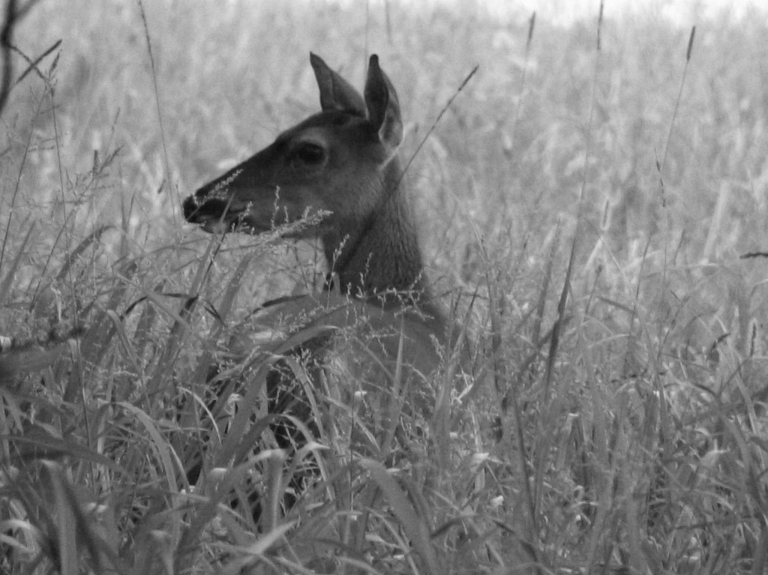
<point>309,154</point>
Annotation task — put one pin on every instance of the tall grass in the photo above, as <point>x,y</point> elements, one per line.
<point>612,418</point>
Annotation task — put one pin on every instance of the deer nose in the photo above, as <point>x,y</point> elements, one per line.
<point>191,209</point>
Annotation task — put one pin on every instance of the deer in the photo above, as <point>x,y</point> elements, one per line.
<point>336,176</point>
<point>339,171</point>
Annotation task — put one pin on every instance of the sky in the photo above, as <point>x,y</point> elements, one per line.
<point>681,12</point>
<point>684,13</point>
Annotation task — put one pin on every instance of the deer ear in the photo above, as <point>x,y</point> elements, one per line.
<point>336,94</point>
<point>383,106</point>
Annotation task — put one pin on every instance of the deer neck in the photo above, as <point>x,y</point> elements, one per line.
<point>380,255</point>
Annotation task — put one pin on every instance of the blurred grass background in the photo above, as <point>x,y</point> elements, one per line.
<point>652,168</point>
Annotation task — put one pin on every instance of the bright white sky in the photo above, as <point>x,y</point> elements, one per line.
<point>681,12</point>
<point>684,13</point>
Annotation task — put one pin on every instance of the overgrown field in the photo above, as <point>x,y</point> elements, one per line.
<point>597,218</point>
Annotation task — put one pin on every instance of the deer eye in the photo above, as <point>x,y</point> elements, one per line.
<point>309,154</point>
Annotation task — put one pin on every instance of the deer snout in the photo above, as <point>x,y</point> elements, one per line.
<point>190,208</point>
<point>210,213</point>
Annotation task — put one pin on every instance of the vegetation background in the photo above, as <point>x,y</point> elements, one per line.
<point>598,191</point>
